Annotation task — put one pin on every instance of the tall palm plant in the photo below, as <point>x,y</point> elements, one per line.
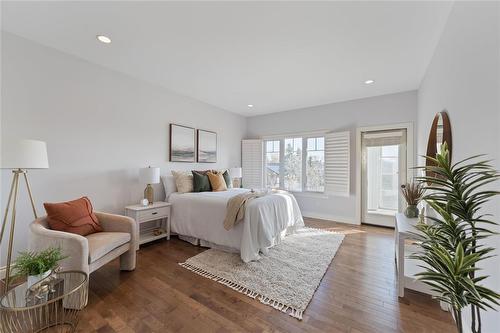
<point>450,248</point>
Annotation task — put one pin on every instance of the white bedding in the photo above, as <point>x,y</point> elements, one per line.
<point>267,220</point>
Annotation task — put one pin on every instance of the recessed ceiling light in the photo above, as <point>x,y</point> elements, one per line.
<point>369,81</point>
<point>103,39</point>
<point>250,105</point>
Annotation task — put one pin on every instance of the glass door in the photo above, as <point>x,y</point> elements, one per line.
<point>383,173</point>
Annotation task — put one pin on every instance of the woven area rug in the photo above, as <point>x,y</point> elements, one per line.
<point>285,279</point>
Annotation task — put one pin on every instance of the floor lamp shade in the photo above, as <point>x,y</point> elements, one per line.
<point>20,156</point>
<point>26,154</point>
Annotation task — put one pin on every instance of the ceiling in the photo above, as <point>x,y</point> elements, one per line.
<point>275,55</point>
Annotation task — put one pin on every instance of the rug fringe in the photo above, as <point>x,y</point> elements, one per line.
<point>296,313</point>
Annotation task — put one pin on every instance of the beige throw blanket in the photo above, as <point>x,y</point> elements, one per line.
<point>236,208</point>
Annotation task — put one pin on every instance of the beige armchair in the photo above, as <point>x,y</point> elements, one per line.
<point>120,238</point>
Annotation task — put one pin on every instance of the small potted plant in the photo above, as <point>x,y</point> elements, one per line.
<point>38,266</point>
<point>413,193</point>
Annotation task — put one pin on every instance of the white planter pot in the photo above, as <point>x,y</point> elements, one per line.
<point>32,279</point>
<point>444,306</point>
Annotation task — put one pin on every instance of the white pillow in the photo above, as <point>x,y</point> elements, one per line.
<point>169,185</point>
<point>183,181</point>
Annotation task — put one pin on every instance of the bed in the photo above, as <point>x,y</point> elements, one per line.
<point>198,217</point>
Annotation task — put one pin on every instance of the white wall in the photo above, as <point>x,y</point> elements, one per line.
<point>100,126</point>
<point>463,78</point>
<point>381,110</point>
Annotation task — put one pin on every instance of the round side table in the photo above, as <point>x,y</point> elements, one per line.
<point>51,305</point>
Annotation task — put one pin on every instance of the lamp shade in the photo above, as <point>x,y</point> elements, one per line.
<point>25,154</point>
<point>150,175</point>
<point>235,172</point>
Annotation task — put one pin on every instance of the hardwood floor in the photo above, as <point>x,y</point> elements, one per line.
<point>357,294</point>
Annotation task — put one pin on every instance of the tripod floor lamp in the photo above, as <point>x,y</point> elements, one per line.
<point>19,157</point>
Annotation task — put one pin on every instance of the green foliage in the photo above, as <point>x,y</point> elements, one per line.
<point>450,248</point>
<point>32,263</point>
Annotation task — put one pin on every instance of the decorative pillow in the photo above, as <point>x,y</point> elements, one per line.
<point>201,183</point>
<point>75,216</point>
<point>227,179</point>
<point>169,185</point>
<point>217,181</point>
<point>183,181</point>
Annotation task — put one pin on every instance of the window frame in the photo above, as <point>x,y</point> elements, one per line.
<point>304,161</point>
<point>281,154</point>
<point>394,176</point>
<point>304,138</point>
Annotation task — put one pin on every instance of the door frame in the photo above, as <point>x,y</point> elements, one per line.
<point>410,157</point>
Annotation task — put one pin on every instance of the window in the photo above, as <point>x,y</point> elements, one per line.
<point>315,164</point>
<point>296,164</point>
<point>272,164</point>
<point>292,164</point>
<point>382,181</point>
<point>389,159</point>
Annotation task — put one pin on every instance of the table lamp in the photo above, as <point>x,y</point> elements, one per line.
<point>19,157</point>
<point>149,175</point>
<point>236,174</point>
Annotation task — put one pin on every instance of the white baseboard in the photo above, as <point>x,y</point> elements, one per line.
<point>329,217</point>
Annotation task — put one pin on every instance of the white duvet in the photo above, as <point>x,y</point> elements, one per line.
<point>267,220</point>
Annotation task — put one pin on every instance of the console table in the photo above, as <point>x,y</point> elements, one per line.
<point>407,268</point>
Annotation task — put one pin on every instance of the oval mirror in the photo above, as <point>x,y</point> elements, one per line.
<point>440,133</point>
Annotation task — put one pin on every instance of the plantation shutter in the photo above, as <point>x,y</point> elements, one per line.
<point>337,163</point>
<point>252,163</point>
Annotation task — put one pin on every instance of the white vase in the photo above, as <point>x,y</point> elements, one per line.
<point>444,306</point>
<point>33,279</point>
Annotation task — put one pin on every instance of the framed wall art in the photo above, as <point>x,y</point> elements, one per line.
<point>207,146</point>
<point>182,143</point>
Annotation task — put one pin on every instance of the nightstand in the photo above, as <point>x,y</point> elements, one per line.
<point>151,218</point>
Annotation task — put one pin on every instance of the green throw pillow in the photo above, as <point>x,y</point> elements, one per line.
<point>201,183</point>
<point>227,179</point>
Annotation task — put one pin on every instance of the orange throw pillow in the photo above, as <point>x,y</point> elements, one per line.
<point>217,181</point>
<point>74,216</point>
